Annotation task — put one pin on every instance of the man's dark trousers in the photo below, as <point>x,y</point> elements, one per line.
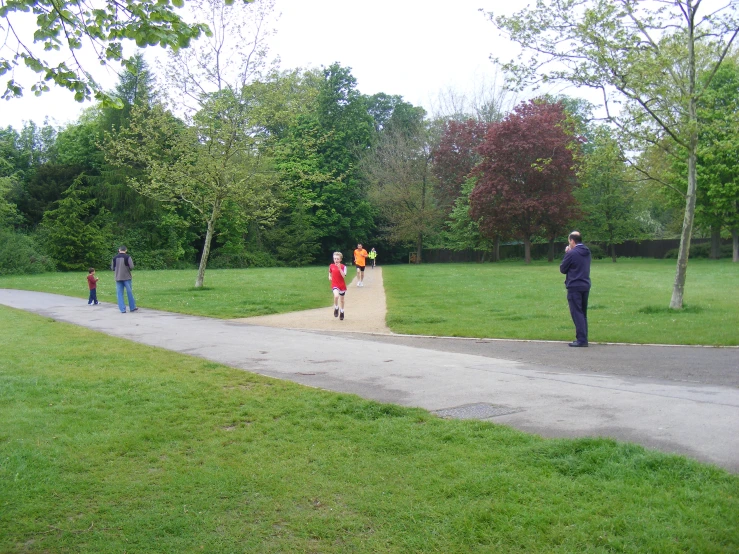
<point>578,301</point>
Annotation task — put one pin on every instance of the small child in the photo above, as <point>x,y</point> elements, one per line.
<point>92,285</point>
<point>336,274</point>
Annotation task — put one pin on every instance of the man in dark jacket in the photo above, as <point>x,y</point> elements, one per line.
<point>576,267</point>
<point>122,264</point>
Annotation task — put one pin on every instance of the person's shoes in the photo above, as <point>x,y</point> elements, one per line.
<point>134,310</point>
<point>96,303</point>
<point>579,344</point>
<point>336,311</point>
<point>341,317</point>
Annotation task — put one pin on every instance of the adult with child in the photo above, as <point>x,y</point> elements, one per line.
<point>336,274</point>
<point>576,267</point>
<point>122,264</point>
<point>360,260</point>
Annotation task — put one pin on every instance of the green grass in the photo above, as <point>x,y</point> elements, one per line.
<point>112,446</point>
<point>628,302</point>
<point>228,293</point>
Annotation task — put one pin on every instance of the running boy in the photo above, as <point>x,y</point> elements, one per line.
<point>336,274</point>
<point>92,285</point>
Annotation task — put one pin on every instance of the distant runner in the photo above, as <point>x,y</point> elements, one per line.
<point>372,256</point>
<point>360,260</point>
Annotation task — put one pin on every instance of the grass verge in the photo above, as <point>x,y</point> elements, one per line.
<point>111,446</point>
<point>628,302</point>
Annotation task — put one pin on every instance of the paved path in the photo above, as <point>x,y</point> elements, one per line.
<point>696,419</point>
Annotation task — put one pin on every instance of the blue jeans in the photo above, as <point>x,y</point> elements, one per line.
<point>119,286</point>
<point>93,296</point>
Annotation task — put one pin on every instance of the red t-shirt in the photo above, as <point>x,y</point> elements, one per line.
<point>337,276</point>
<point>91,280</point>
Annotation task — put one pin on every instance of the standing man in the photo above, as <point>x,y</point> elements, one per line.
<point>122,264</point>
<point>360,260</point>
<point>576,267</point>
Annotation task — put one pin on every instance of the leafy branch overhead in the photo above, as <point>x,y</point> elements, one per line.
<point>64,27</point>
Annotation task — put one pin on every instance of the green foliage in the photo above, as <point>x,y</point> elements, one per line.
<point>20,255</point>
<point>74,233</point>
<point>701,251</point>
<point>461,232</point>
<point>606,196</point>
<point>68,25</point>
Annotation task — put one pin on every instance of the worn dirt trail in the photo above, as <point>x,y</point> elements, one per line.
<point>365,310</point>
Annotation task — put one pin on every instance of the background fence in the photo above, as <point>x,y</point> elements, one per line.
<point>630,249</point>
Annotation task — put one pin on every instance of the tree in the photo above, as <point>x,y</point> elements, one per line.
<point>526,176</point>
<point>462,232</point>
<point>401,184</point>
<point>318,158</point>
<point>230,57</point>
<point>454,156</point>
<point>650,56</point>
<point>68,25</point>
<point>605,194</point>
<point>220,157</point>
<point>74,235</point>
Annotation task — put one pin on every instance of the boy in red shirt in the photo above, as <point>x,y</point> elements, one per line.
<point>336,273</point>
<point>92,285</point>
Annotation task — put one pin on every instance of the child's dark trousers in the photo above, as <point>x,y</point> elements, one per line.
<point>93,296</point>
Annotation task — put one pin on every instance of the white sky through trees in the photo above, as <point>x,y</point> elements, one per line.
<point>413,48</point>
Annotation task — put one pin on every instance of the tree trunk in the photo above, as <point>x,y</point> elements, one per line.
<point>206,246</point>
<point>613,252</point>
<point>715,242</point>
<point>550,256</point>
<point>419,247</point>
<point>527,250</point>
<point>496,249</point>
<point>678,289</point>
<point>735,243</point>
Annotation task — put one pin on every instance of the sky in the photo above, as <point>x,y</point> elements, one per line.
<point>412,48</point>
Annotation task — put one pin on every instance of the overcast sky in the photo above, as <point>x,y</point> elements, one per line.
<point>413,48</point>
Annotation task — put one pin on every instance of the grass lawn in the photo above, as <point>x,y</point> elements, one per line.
<point>112,446</point>
<point>228,293</point>
<point>628,301</point>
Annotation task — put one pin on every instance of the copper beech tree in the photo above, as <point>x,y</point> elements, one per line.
<point>526,174</point>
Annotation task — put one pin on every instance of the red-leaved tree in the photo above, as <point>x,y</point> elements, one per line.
<point>526,173</point>
<point>454,157</point>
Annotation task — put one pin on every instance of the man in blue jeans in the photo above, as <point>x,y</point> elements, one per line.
<point>122,264</point>
<point>576,267</point>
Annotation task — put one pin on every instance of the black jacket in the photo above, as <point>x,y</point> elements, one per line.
<point>576,267</point>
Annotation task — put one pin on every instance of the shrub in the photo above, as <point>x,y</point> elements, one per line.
<point>702,250</point>
<point>597,252</point>
<point>20,255</point>
<point>242,260</point>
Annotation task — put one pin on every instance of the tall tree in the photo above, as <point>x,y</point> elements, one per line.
<point>606,193</point>
<point>455,154</point>
<point>219,158</point>
<point>69,25</point>
<point>649,56</point>
<point>526,175</point>
<point>401,184</point>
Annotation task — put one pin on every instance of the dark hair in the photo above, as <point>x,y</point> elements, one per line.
<point>91,270</point>
<point>576,237</point>
<point>122,249</point>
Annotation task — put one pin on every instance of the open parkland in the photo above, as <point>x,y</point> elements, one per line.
<point>200,424</point>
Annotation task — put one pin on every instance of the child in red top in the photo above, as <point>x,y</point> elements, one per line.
<point>336,274</point>
<point>92,285</point>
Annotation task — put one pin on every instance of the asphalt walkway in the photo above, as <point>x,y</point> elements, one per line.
<point>544,388</point>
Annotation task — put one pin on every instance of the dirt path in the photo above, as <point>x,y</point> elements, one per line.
<point>365,310</point>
